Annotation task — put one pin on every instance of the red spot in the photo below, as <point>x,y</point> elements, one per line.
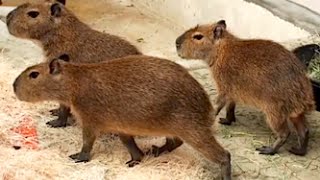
<point>28,132</point>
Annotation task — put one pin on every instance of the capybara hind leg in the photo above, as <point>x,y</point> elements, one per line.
<point>135,152</point>
<point>280,127</point>
<point>88,140</point>
<point>64,113</point>
<point>303,135</point>
<point>230,114</point>
<point>219,103</point>
<point>204,142</point>
<point>170,145</point>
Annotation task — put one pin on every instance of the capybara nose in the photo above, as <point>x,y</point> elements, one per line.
<point>178,45</point>
<point>15,85</point>
<point>9,16</point>
<point>178,42</point>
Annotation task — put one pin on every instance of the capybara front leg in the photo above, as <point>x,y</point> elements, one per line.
<point>135,152</point>
<point>88,137</point>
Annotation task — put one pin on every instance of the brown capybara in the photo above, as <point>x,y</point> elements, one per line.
<point>305,54</point>
<point>135,95</point>
<point>258,73</point>
<point>59,32</point>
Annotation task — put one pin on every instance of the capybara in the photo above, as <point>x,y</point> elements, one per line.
<point>136,95</point>
<point>59,32</point>
<point>255,72</point>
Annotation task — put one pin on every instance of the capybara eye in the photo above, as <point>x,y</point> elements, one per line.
<point>198,36</point>
<point>33,14</point>
<point>34,75</point>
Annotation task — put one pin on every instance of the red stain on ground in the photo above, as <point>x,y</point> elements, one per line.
<point>28,132</point>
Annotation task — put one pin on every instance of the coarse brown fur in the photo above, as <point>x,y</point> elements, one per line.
<point>259,73</point>
<point>305,54</point>
<point>137,95</point>
<point>59,32</point>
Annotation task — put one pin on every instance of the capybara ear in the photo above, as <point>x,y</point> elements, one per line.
<point>65,57</point>
<point>55,10</point>
<point>219,28</point>
<point>222,23</point>
<point>55,66</point>
<point>62,2</point>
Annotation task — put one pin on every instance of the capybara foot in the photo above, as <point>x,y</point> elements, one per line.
<point>57,123</point>
<point>132,163</point>
<point>170,145</point>
<point>80,157</point>
<point>298,151</point>
<point>226,121</point>
<point>266,150</point>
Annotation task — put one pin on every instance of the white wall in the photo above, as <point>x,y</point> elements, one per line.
<point>294,13</point>
<point>243,18</point>
<point>311,4</point>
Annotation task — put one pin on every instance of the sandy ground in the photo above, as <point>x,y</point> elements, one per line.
<point>156,37</point>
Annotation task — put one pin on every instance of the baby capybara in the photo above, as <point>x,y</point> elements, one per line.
<point>305,53</point>
<point>258,73</point>
<point>61,34</point>
<point>137,95</point>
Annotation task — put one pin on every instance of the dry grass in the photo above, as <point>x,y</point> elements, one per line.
<point>51,160</point>
<point>314,68</point>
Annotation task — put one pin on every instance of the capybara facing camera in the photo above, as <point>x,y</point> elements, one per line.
<point>136,95</point>
<point>259,73</point>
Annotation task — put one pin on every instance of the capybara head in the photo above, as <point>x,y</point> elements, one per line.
<point>196,43</point>
<point>33,20</point>
<point>41,82</point>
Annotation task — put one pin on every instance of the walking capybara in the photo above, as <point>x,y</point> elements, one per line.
<point>135,95</point>
<point>258,73</point>
<point>305,53</point>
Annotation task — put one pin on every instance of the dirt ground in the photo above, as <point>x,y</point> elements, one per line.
<point>155,37</point>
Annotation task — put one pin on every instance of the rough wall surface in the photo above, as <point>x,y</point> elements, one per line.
<point>243,18</point>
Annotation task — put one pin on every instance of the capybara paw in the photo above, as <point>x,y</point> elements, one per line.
<point>78,157</point>
<point>56,123</point>
<point>16,147</point>
<point>132,163</point>
<point>298,151</point>
<point>74,156</point>
<point>54,112</point>
<point>225,121</point>
<point>266,150</point>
